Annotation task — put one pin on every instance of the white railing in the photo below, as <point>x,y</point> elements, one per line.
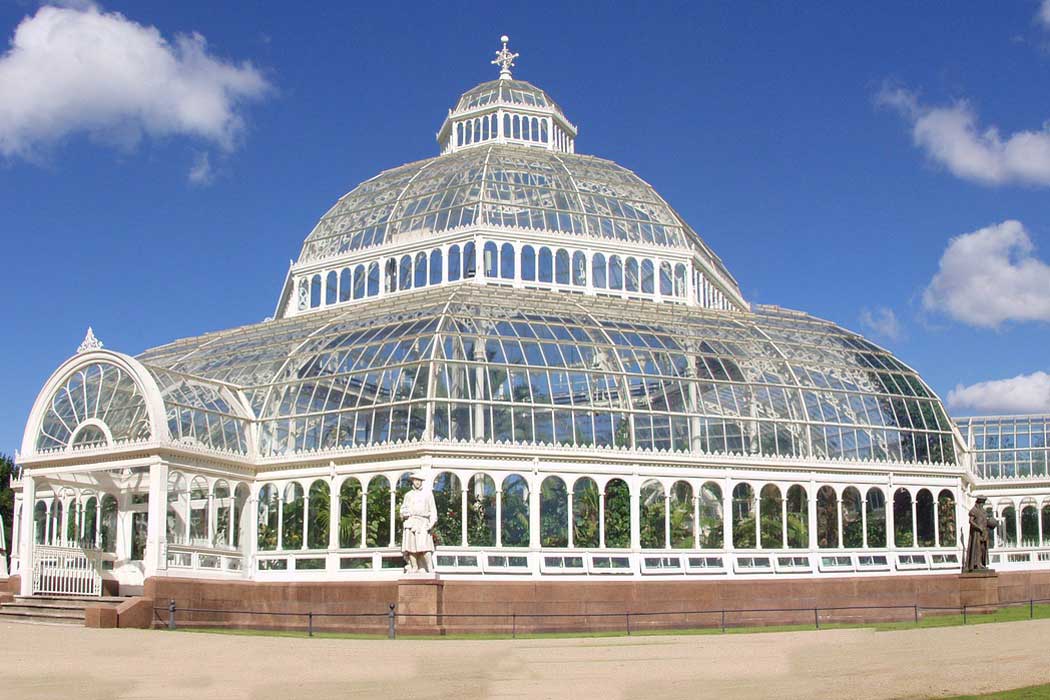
<point>67,571</point>
<point>181,556</point>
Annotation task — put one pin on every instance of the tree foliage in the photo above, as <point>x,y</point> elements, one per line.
<point>7,498</point>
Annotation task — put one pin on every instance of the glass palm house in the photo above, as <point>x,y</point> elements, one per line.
<point>566,359</point>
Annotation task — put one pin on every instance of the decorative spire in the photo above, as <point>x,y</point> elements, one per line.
<point>90,342</point>
<point>504,59</point>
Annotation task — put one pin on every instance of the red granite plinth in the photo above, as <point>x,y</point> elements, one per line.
<point>420,604</point>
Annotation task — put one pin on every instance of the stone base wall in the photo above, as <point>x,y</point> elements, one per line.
<point>506,606</point>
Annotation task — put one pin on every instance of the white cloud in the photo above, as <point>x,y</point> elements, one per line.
<point>952,137</point>
<point>1025,393</point>
<point>78,69</point>
<point>882,322</point>
<point>1044,14</point>
<point>201,173</point>
<point>990,276</point>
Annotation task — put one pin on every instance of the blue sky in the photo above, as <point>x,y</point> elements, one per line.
<point>830,153</point>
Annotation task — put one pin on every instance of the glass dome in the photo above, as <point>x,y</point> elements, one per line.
<point>510,92</point>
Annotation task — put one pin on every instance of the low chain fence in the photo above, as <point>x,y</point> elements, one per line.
<point>390,622</point>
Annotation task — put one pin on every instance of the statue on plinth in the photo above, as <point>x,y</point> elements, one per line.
<point>418,516</point>
<point>981,527</point>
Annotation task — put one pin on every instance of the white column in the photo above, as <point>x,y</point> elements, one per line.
<point>914,525</point>
<point>306,519</point>
<point>667,521</point>
<point>534,511</point>
<point>393,513</point>
<point>463,516</point>
<point>727,515</point>
<point>784,519</point>
<point>636,515</point>
<point>891,523</point>
<point>27,532</point>
<point>811,514</point>
<point>568,516</point>
<point>601,519</point>
<point>499,516</point>
<point>864,519</point>
<point>936,521</point>
<point>838,514</point>
<point>156,556</point>
<point>696,520</point>
<point>334,516</point>
<point>364,514</point>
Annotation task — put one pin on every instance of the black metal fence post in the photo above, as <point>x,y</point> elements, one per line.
<point>390,631</point>
<point>171,614</point>
<point>628,624</point>
<point>964,613</point>
<point>514,625</point>
<point>1031,609</point>
<point>723,620</point>
<point>310,624</point>
<point>916,613</point>
<point>816,619</point>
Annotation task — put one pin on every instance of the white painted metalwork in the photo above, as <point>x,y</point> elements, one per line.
<point>67,571</point>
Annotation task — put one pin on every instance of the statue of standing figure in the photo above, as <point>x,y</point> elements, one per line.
<point>418,515</point>
<point>981,527</point>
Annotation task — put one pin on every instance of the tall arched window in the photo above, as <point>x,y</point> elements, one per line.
<point>56,523</point>
<point>924,518</point>
<point>454,271</point>
<point>515,512</point>
<point>319,515</point>
<point>331,288</point>
<point>615,272</point>
<point>797,517</point>
<point>350,513</point>
<point>377,513</point>
<point>177,515</point>
<point>711,516</point>
<point>598,271</point>
<point>743,516</point>
<point>852,518</point>
<point>491,260</point>
<point>946,518</point>
<point>770,510</point>
<point>1029,526</point>
<point>345,285</point>
<point>679,280</point>
<point>585,512</point>
<point>292,517</point>
<point>561,267</point>
<point>554,513</point>
<point>902,522</point>
<point>241,516</point>
<point>630,277</point>
<point>315,291</point>
<point>681,515</point>
<point>481,511</point>
<point>579,269</point>
<point>223,506</point>
<point>506,126</point>
<point>373,279</point>
<point>665,279</point>
<point>448,497</point>
<point>647,277</point>
<point>1008,526</point>
<point>421,278</point>
<point>528,263</point>
<point>40,523</point>
<point>617,514</point>
<point>875,503</point>
<point>199,511</point>
<point>651,517</point>
<point>546,267</point>
<point>827,518</point>
<point>391,275</point>
<point>269,507</point>
<point>359,282</point>
<point>506,261</point>
<point>404,485</point>
<point>436,266</point>
<point>405,273</point>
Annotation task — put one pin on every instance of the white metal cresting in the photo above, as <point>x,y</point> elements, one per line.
<point>67,571</point>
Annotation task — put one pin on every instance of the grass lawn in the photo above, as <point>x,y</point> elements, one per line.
<point>1032,692</point>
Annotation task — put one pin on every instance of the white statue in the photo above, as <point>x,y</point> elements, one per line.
<point>418,515</point>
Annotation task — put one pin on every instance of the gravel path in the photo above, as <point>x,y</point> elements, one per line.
<point>43,661</point>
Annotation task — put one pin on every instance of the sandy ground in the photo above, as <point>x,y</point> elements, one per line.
<point>45,661</point>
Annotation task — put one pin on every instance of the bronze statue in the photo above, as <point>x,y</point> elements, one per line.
<point>981,527</point>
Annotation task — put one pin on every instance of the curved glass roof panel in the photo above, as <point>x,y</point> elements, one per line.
<point>201,412</point>
<point>502,186</point>
<point>534,367</point>
<point>511,92</point>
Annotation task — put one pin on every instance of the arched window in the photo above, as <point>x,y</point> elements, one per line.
<point>517,126</point>
<point>711,516</point>
<point>679,280</point>
<point>405,270</point>
<point>543,131</point>
<point>221,500</point>
<point>241,516</point>
<point>345,285</point>
<point>797,517</point>
<point>491,260</point>
<point>946,519</point>
<point>561,267</point>
<point>320,508</point>
<point>377,513</point>
<point>615,272</point>
<point>651,518</point>
<point>617,514</point>
<point>528,263</point>
<point>506,126</point>
<point>331,288</point>
<point>743,516</point>
<point>875,503</point>
<point>485,129</point>
<point>359,282</point>
<point>546,267</point>
<point>681,515</point>
<point>269,507</point>
<point>420,271</point>
<point>1008,526</point>
<point>481,511</point>
<point>304,294</point>
<point>315,291</point>
<point>469,262</point>
<point>448,497</point>
<point>770,511</point>
<point>515,512</point>
<point>373,279</point>
<point>852,518</point>
<point>585,512</point>
<point>1029,526</point>
<point>647,276</point>
<point>40,523</point>
<point>554,513</point>
<point>453,264</point>
<point>665,279</point>
<point>1045,515</point>
<point>292,517</point>
<point>924,518</point>
<point>598,272</point>
<point>630,277</point>
<point>177,514</point>
<point>350,501</point>
<point>579,269</point>
<point>88,516</point>
<point>391,275</point>
<point>404,485</point>
<point>902,523</point>
<point>506,261</point>
<point>827,518</point>
<point>199,511</point>
<point>436,265</point>
<point>56,523</point>
<point>459,134</point>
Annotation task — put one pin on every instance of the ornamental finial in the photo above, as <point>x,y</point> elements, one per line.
<point>504,59</point>
<point>90,342</point>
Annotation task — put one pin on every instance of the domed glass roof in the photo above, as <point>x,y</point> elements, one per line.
<point>502,186</point>
<point>511,92</point>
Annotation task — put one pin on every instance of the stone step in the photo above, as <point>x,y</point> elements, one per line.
<point>63,617</point>
<point>43,609</point>
<point>67,601</point>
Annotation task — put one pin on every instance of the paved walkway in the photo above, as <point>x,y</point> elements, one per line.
<point>39,661</point>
